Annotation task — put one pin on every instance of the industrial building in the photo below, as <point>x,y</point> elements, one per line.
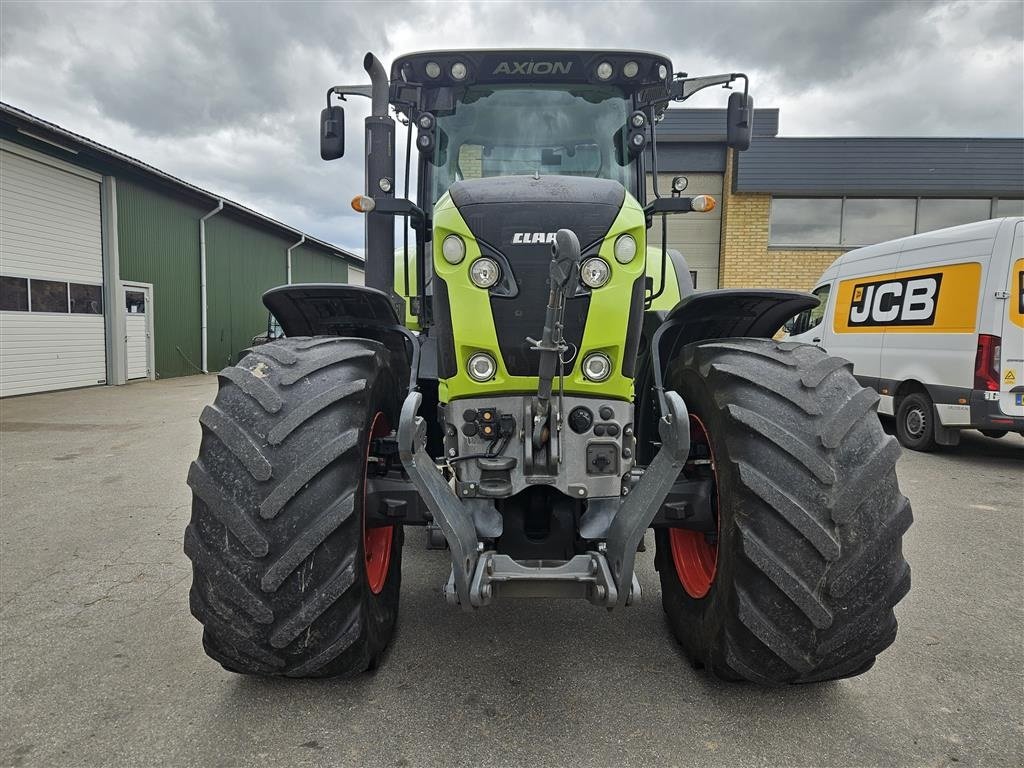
<point>114,271</point>
<point>790,206</point>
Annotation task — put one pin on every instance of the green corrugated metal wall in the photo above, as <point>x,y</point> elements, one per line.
<point>241,263</point>
<point>312,265</point>
<point>158,243</point>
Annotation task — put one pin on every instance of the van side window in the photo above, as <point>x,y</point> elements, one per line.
<point>815,315</point>
<point>809,318</point>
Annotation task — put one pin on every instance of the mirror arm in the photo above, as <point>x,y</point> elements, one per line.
<point>341,91</point>
<point>684,89</point>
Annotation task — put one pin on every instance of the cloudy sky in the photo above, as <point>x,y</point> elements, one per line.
<point>227,95</point>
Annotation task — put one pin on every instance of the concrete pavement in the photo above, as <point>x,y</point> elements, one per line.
<point>101,663</point>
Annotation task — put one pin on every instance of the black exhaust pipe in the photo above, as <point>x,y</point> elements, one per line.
<point>380,166</point>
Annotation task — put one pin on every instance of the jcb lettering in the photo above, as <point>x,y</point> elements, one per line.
<point>898,301</point>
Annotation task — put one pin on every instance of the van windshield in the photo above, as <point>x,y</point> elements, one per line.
<point>517,130</point>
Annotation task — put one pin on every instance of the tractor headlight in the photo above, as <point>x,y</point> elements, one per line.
<point>484,272</point>
<point>433,70</point>
<point>481,367</point>
<point>625,248</point>
<point>597,366</point>
<point>630,69</point>
<point>605,71</point>
<point>453,248</point>
<point>595,272</point>
<point>459,71</point>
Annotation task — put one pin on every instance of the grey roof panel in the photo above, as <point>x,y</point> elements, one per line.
<point>688,157</point>
<point>709,124</point>
<point>883,166</point>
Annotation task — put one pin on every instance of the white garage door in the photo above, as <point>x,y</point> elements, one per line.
<point>51,277</point>
<point>695,235</point>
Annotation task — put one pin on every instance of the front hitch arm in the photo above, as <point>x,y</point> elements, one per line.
<point>641,505</point>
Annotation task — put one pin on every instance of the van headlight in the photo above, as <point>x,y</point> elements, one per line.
<point>597,366</point>
<point>595,272</point>
<point>625,248</point>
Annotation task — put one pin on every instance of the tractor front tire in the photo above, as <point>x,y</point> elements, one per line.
<point>287,580</point>
<point>800,582</point>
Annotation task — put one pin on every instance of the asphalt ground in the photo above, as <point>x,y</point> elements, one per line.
<point>101,663</point>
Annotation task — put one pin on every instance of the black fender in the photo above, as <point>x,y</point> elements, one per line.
<point>704,315</point>
<point>336,309</point>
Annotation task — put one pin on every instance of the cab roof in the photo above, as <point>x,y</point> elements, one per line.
<point>630,70</point>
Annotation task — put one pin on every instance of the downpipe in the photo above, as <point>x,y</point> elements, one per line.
<point>202,284</point>
<point>291,248</point>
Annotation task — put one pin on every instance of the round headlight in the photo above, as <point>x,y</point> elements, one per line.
<point>605,71</point>
<point>458,71</point>
<point>679,183</point>
<point>453,248</point>
<point>484,272</point>
<point>433,69</point>
<point>481,367</point>
<point>625,248</point>
<point>425,121</point>
<point>597,367</point>
<point>662,72</point>
<point>595,272</point>
<point>384,183</point>
<point>637,119</point>
<point>630,68</point>
<point>638,140</point>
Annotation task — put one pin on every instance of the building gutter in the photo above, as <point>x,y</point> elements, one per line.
<point>289,252</point>
<point>202,281</point>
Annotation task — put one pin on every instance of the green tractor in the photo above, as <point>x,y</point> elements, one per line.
<point>538,387</point>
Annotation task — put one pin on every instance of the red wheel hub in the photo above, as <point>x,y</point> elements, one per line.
<point>694,556</point>
<point>376,541</point>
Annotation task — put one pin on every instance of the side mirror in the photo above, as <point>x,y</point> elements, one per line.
<point>739,121</point>
<point>332,133</point>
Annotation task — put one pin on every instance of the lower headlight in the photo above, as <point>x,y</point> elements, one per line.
<point>481,367</point>
<point>484,272</point>
<point>597,366</point>
<point>595,272</point>
<point>453,248</point>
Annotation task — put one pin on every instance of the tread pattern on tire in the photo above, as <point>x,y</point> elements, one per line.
<point>276,532</point>
<point>815,563</point>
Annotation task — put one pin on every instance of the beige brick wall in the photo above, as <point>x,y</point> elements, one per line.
<point>747,261</point>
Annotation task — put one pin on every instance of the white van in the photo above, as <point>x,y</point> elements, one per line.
<point>935,324</point>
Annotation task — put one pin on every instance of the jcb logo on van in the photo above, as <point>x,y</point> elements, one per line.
<point>930,300</point>
<point>896,301</point>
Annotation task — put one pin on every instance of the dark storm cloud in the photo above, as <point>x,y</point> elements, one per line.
<point>226,95</point>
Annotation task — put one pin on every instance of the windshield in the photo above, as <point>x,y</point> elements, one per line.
<point>516,130</point>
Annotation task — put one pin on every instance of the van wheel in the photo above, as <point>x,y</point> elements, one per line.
<point>915,422</point>
<point>994,433</point>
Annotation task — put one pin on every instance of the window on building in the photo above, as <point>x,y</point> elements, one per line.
<point>86,299</point>
<point>805,221</point>
<point>1008,207</point>
<point>49,296</point>
<point>13,294</point>
<point>939,213</point>
<point>135,302</point>
<point>875,220</point>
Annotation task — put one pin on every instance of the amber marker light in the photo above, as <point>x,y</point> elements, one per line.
<point>363,204</point>
<point>703,203</point>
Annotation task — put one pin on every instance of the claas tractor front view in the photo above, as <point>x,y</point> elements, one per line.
<point>529,379</point>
